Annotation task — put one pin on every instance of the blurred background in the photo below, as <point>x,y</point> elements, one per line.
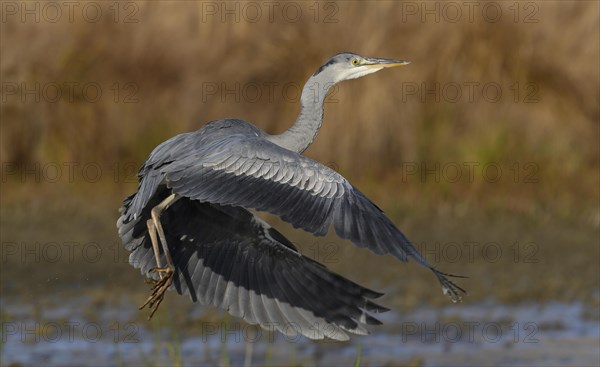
<point>484,151</point>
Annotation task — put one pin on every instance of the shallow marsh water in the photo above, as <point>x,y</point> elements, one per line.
<point>477,334</point>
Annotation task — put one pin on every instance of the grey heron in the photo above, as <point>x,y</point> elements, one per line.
<point>191,225</point>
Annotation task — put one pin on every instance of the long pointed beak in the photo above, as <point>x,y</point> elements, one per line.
<point>385,63</point>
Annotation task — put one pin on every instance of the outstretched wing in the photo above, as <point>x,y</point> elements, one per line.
<point>232,163</point>
<point>227,257</point>
<point>251,172</point>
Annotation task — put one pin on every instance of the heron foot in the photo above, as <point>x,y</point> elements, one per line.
<point>158,289</point>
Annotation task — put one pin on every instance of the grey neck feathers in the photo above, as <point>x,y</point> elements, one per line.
<point>309,121</point>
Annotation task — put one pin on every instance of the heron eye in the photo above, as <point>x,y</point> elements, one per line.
<point>355,62</point>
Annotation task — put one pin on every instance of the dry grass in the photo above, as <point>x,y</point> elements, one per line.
<point>177,49</point>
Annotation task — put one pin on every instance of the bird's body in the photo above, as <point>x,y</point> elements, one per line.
<point>197,191</point>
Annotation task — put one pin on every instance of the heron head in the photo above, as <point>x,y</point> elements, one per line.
<point>347,65</point>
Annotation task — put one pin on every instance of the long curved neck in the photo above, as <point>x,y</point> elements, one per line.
<point>309,121</point>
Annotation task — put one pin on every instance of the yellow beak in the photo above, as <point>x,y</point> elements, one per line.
<point>385,63</point>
